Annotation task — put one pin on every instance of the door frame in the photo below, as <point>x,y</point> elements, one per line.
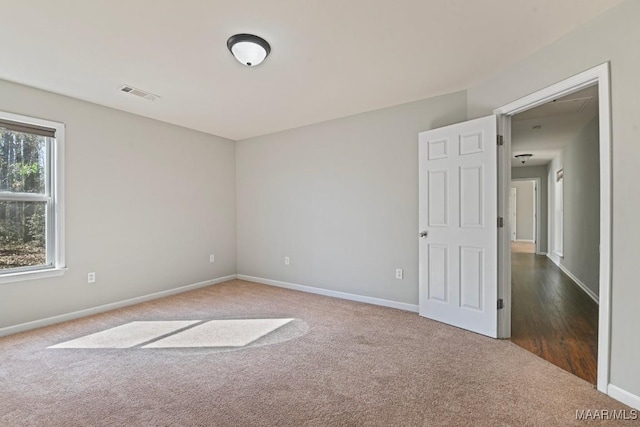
<point>513,233</point>
<point>598,75</point>
<point>536,202</point>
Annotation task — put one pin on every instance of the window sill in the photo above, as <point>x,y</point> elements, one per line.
<point>31,275</point>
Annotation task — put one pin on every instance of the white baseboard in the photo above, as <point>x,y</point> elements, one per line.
<point>329,293</point>
<point>578,282</point>
<point>525,241</point>
<point>554,258</point>
<point>14,329</point>
<point>624,396</point>
<point>584,287</point>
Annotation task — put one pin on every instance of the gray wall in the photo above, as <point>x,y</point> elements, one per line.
<point>537,172</point>
<point>582,207</point>
<point>340,198</point>
<point>146,203</point>
<point>611,37</point>
<point>525,206</point>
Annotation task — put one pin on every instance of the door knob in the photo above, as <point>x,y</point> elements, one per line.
<point>424,233</point>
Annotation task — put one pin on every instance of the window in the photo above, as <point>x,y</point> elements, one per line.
<point>31,198</point>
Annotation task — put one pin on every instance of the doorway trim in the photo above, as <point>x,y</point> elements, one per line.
<point>598,75</point>
<point>513,202</point>
<point>536,196</point>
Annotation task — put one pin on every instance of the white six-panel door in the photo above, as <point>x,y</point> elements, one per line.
<point>458,225</point>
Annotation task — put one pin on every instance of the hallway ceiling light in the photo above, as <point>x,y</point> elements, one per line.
<point>248,49</point>
<point>523,157</point>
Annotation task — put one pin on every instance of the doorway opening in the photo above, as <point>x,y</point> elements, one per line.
<point>524,216</point>
<point>555,283</point>
<point>570,266</point>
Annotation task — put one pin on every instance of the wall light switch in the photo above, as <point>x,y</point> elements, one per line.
<point>286,260</point>
<point>212,258</point>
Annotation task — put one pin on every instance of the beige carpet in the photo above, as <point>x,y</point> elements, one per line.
<point>221,333</point>
<point>226,333</point>
<point>128,335</point>
<point>356,365</point>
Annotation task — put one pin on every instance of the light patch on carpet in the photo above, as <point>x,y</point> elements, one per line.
<point>127,335</point>
<point>221,333</point>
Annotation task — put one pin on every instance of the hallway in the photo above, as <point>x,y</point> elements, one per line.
<point>552,317</point>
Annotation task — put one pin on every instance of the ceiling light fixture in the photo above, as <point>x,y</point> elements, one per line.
<point>523,157</point>
<point>248,49</point>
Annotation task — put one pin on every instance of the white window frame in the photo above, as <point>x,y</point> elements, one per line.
<point>55,207</point>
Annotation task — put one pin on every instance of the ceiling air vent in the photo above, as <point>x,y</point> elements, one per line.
<point>138,92</point>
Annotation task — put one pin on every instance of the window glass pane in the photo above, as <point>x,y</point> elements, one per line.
<point>22,162</point>
<point>22,234</point>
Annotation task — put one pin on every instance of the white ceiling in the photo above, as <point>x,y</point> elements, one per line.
<point>329,59</point>
<point>545,130</point>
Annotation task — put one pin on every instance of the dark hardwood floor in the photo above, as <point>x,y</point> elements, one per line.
<point>552,317</point>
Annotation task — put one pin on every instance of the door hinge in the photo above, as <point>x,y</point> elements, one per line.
<point>500,222</point>
<point>500,303</point>
<point>500,140</point>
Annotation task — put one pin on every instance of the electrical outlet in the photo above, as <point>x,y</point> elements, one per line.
<point>286,260</point>
<point>399,273</point>
<point>91,277</point>
<point>212,258</point>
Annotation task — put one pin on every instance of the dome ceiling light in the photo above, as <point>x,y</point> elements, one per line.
<point>248,49</point>
<point>523,157</point>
